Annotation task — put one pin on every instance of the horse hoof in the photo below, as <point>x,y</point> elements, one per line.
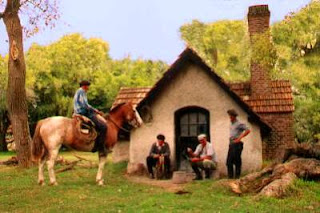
<point>54,184</point>
<point>41,183</point>
<point>100,182</point>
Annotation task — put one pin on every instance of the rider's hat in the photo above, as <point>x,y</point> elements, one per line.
<point>84,83</point>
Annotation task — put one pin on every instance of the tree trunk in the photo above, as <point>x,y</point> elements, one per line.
<point>16,92</point>
<point>4,124</point>
<point>279,187</point>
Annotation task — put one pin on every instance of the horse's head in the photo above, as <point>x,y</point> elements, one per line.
<point>130,114</point>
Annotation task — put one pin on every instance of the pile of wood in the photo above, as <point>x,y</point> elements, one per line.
<point>13,161</point>
<point>69,165</point>
<point>66,164</point>
<point>301,161</point>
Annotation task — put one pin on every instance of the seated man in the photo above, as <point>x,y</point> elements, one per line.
<point>204,157</point>
<point>159,149</point>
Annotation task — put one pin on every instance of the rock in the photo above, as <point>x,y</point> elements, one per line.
<point>180,177</point>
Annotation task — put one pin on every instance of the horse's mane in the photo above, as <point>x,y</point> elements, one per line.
<point>114,109</point>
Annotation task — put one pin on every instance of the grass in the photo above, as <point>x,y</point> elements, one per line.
<point>77,192</point>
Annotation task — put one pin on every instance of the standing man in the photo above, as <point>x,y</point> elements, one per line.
<point>159,149</point>
<point>204,158</point>
<point>82,107</point>
<point>238,131</point>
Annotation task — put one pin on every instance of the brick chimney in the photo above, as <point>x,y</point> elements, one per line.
<point>258,22</point>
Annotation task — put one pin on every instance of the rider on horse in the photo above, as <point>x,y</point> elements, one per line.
<point>82,107</point>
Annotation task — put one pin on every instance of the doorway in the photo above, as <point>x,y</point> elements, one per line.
<point>189,123</point>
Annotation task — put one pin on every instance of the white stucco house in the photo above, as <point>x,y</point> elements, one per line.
<point>191,99</point>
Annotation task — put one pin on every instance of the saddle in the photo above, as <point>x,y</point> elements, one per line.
<point>84,128</point>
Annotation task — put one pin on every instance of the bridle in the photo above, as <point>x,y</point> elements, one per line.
<point>135,119</point>
<point>108,117</point>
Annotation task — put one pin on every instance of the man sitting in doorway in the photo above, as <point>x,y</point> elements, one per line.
<point>158,150</point>
<point>204,158</point>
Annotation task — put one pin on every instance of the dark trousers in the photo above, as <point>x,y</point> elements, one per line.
<point>234,158</point>
<point>101,127</point>
<point>152,162</point>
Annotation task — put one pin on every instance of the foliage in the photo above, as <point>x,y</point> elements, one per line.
<point>297,40</point>
<point>223,44</point>
<point>300,31</point>
<point>263,52</point>
<point>78,192</point>
<point>3,83</point>
<point>3,108</point>
<point>307,119</point>
<point>54,71</point>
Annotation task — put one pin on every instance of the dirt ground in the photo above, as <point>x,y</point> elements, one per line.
<point>165,184</point>
<point>168,185</point>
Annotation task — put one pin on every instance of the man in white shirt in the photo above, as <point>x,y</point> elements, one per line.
<point>203,157</point>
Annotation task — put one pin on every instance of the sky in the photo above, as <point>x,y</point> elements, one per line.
<point>147,29</point>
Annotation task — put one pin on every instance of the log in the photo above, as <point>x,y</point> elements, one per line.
<point>90,166</point>
<point>250,182</point>
<point>279,187</point>
<point>306,168</point>
<point>303,150</point>
<point>82,158</point>
<point>69,167</point>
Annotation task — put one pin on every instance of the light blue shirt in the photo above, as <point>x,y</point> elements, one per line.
<point>236,129</point>
<point>80,103</point>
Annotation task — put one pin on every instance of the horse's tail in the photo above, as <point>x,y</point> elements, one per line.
<point>37,147</point>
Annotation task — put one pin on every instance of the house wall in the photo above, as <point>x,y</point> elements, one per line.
<point>193,87</point>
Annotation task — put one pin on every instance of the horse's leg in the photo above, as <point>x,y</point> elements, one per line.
<point>42,161</point>
<point>102,161</point>
<point>51,160</point>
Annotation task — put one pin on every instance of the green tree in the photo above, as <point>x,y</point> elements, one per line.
<point>297,40</point>
<point>56,70</point>
<point>299,31</point>
<point>223,44</point>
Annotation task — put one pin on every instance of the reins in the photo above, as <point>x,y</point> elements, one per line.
<point>108,117</point>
